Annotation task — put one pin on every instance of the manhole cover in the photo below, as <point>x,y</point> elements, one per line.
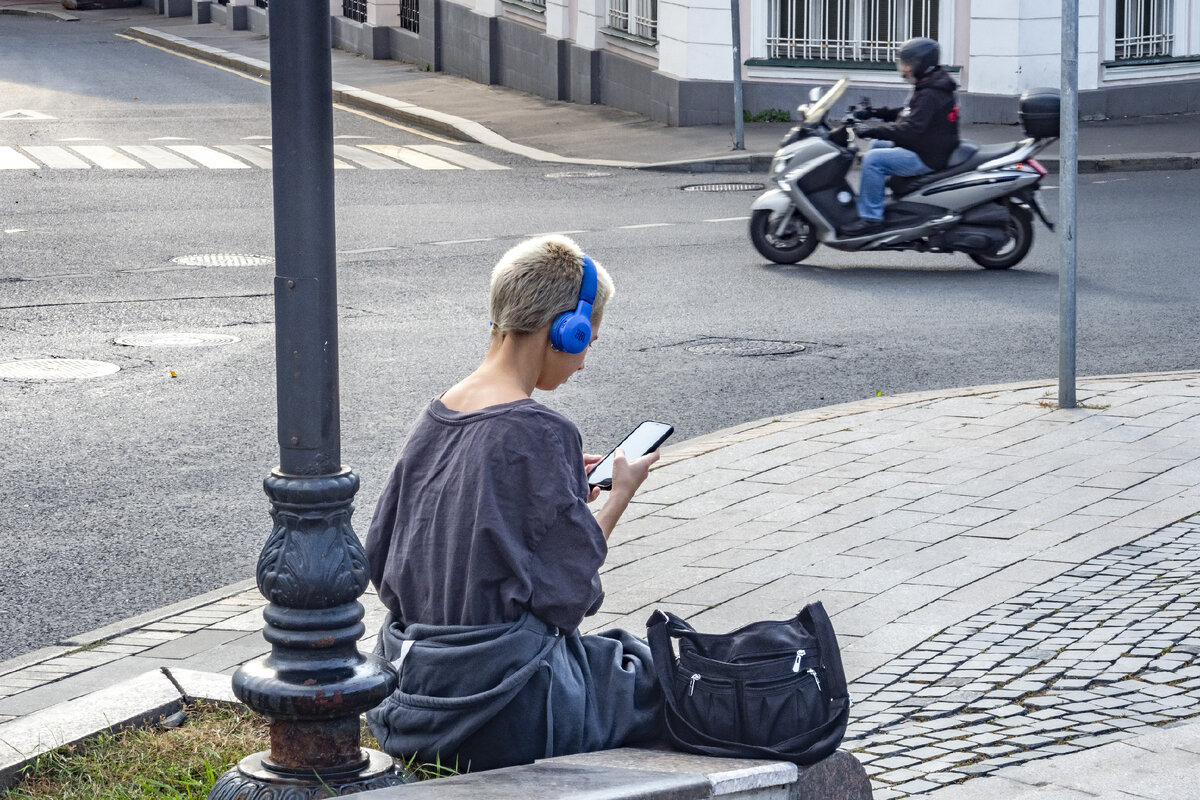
<point>175,339</point>
<point>55,369</point>
<point>223,260</point>
<point>724,187</point>
<point>743,347</point>
<point>579,174</point>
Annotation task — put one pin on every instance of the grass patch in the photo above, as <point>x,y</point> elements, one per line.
<point>158,763</point>
<point>769,115</point>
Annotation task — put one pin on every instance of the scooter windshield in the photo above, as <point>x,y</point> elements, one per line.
<point>817,111</point>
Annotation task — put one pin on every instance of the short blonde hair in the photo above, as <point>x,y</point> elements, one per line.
<point>539,279</point>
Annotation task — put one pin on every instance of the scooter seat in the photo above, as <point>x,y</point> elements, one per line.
<point>966,157</point>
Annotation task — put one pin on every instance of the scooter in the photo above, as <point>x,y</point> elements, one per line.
<point>982,204</point>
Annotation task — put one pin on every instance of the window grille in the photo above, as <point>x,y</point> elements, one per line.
<point>410,15</point>
<point>355,10</point>
<point>847,30</point>
<point>259,3</point>
<point>636,17</point>
<point>1144,28</point>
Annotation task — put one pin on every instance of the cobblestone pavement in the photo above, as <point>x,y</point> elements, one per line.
<point>1101,653</point>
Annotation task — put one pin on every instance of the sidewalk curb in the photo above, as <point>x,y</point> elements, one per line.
<point>1127,162</point>
<point>23,11</point>
<point>396,110</point>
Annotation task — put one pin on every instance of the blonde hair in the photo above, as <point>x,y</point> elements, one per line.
<point>539,279</point>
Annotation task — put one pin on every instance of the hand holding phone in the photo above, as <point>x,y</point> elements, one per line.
<point>644,439</point>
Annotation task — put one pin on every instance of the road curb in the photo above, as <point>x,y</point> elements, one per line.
<point>395,110</point>
<point>1127,162</point>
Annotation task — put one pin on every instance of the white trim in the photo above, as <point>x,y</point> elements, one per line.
<point>1133,72</point>
<point>868,77</point>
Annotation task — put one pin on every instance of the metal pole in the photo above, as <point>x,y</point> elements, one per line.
<point>1068,179</point>
<point>739,136</point>
<point>315,684</point>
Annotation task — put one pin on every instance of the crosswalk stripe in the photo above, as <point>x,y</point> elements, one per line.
<point>56,157</point>
<point>11,159</point>
<point>249,152</point>
<point>106,157</point>
<point>365,158</point>
<point>207,157</point>
<point>411,157</point>
<point>337,162</point>
<point>457,156</point>
<point>157,157</point>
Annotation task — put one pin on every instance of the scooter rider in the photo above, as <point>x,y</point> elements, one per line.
<point>914,140</point>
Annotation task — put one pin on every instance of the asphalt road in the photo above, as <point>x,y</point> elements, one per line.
<point>137,489</point>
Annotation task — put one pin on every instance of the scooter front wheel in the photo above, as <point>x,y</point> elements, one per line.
<point>794,243</point>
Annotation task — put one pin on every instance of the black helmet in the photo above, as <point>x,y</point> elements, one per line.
<point>921,54</point>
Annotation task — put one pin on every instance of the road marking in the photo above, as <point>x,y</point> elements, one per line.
<point>106,157</point>
<point>411,157</point>
<point>728,219</point>
<point>457,157</point>
<point>192,58</point>
<point>16,230</point>
<point>21,113</point>
<point>172,139</point>
<point>80,139</point>
<point>248,138</point>
<point>466,241</point>
<point>157,157</point>
<point>366,250</point>
<point>256,155</point>
<point>56,157</point>
<point>11,159</point>
<point>390,124</point>
<point>552,233</point>
<point>207,157</point>
<point>366,158</point>
<point>647,225</point>
<point>337,163</point>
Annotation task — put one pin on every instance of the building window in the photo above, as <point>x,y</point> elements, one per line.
<point>410,15</point>
<point>355,10</point>
<point>1144,29</point>
<point>635,17</point>
<point>868,31</point>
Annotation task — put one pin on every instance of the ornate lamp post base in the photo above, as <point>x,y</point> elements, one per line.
<point>251,779</point>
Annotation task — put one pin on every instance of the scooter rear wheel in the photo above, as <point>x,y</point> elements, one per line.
<point>794,244</point>
<point>1020,239</point>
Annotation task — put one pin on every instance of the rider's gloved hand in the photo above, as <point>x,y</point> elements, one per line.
<point>862,131</point>
<point>865,113</point>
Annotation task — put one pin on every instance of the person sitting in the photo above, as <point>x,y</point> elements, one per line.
<point>914,140</point>
<point>486,553</point>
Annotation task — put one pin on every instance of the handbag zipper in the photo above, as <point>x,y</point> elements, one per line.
<point>692,683</point>
<point>813,672</point>
<point>799,655</point>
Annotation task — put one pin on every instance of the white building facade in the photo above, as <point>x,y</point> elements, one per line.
<point>671,60</point>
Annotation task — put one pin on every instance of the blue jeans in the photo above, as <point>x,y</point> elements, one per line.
<point>882,160</point>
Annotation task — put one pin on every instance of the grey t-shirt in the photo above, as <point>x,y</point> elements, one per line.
<point>485,515</point>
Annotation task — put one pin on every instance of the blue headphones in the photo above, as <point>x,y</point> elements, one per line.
<point>571,331</point>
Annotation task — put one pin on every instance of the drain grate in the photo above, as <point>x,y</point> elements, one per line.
<point>175,339</point>
<point>55,369</point>
<point>223,260</point>
<point>743,347</point>
<point>724,187</point>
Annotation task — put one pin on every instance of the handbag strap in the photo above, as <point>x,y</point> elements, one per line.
<point>831,656</point>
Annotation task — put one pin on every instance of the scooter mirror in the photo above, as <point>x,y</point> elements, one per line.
<point>814,93</point>
<point>802,110</point>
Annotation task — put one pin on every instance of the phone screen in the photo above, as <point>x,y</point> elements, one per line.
<point>644,439</point>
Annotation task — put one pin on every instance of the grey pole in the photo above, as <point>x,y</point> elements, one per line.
<point>1068,179</point>
<point>315,684</point>
<point>738,123</point>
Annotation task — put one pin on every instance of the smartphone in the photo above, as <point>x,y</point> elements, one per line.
<point>645,439</point>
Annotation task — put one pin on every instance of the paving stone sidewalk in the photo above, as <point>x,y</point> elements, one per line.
<point>1010,582</point>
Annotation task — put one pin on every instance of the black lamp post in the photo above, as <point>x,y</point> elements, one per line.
<point>315,684</point>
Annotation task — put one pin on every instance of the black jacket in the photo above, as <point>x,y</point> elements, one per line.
<point>928,125</point>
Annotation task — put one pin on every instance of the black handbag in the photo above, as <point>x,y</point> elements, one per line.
<point>773,689</point>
